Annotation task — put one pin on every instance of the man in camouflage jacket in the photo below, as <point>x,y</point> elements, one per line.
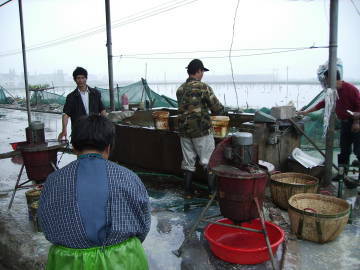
<point>195,100</point>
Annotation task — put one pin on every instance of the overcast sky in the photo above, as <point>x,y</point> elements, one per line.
<point>198,25</point>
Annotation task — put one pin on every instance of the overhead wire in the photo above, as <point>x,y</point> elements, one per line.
<point>226,56</point>
<point>6,2</point>
<point>99,29</point>
<point>230,51</point>
<point>118,23</point>
<point>356,8</point>
<point>212,51</point>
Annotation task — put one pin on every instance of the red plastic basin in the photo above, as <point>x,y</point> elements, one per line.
<point>240,246</point>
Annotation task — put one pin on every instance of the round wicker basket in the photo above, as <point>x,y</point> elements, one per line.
<point>285,185</point>
<point>318,218</point>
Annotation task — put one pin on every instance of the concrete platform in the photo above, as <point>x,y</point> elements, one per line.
<point>172,217</point>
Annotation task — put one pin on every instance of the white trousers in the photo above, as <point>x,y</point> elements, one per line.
<point>193,147</point>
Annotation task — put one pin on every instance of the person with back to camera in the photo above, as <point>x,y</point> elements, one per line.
<point>195,101</point>
<point>95,212</point>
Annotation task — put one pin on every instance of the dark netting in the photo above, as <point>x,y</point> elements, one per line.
<point>3,98</point>
<point>137,92</point>
<point>45,97</point>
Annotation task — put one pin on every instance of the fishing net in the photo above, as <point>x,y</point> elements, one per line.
<point>137,92</point>
<point>3,98</point>
<point>45,97</point>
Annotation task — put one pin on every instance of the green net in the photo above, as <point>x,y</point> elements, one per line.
<point>314,125</point>
<point>136,92</point>
<point>3,98</point>
<point>45,97</point>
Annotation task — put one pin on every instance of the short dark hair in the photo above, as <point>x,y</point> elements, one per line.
<point>194,66</point>
<point>80,71</point>
<point>193,71</point>
<point>92,132</point>
<point>338,77</point>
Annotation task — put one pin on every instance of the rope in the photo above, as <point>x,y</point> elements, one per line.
<point>230,51</point>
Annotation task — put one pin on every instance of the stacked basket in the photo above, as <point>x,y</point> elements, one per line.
<point>285,185</point>
<point>313,217</point>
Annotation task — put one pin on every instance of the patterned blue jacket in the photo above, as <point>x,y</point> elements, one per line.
<point>127,207</point>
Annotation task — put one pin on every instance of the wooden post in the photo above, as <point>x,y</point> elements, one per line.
<point>334,5</point>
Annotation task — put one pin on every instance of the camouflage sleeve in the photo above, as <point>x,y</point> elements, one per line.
<point>214,104</point>
<point>179,94</point>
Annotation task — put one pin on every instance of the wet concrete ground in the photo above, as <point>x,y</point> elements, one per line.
<point>172,217</point>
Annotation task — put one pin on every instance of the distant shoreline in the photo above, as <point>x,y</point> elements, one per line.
<point>104,85</point>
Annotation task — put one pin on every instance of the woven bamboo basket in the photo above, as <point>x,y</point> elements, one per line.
<point>285,185</point>
<point>318,218</point>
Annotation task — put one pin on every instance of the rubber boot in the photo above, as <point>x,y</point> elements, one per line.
<point>352,183</point>
<point>211,183</point>
<point>355,163</point>
<point>344,167</point>
<point>188,175</point>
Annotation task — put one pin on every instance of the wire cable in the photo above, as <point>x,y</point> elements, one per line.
<point>230,51</point>
<point>118,23</point>
<point>3,4</point>
<point>226,56</point>
<point>100,28</point>
<point>213,51</point>
<point>357,10</point>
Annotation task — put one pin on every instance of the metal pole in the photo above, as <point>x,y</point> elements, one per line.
<point>334,5</point>
<point>109,52</point>
<point>24,63</point>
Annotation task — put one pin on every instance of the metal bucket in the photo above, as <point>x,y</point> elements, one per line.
<point>35,220</point>
<point>173,123</point>
<point>35,133</point>
<point>38,164</point>
<point>32,196</point>
<point>236,195</point>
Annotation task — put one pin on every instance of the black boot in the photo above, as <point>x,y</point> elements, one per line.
<point>345,170</point>
<point>188,184</point>
<point>351,183</point>
<point>211,183</point>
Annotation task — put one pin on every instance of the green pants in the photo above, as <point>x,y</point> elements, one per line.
<point>128,255</point>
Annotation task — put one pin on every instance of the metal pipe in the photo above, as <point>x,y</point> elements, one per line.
<point>17,183</point>
<point>262,220</point>
<point>334,5</point>
<point>232,226</point>
<point>196,224</point>
<point>109,53</point>
<point>24,63</point>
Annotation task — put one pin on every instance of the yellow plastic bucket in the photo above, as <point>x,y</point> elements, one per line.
<point>220,125</point>
<point>161,119</point>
